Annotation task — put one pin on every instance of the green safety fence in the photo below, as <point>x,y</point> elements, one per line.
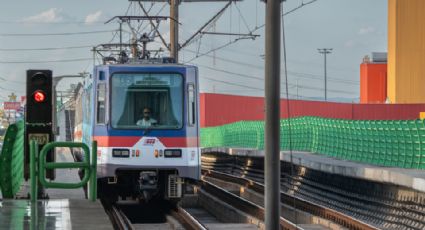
<point>12,160</point>
<point>393,143</point>
<point>39,165</point>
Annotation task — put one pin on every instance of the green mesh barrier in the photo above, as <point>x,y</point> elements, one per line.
<point>385,143</point>
<point>12,160</point>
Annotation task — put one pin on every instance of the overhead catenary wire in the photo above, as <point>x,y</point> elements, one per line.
<point>157,13</point>
<point>55,34</point>
<point>261,79</point>
<point>52,23</point>
<point>288,12</point>
<point>252,31</point>
<point>45,49</point>
<point>242,17</point>
<point>299,74</point>
<point>45,61</point>
<point>245,53</point>
<point>239,85</point>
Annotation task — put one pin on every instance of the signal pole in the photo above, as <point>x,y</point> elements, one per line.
<point>272,131</point>
<point>325,51</point>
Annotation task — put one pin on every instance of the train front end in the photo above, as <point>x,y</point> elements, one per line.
<point>145,120</point>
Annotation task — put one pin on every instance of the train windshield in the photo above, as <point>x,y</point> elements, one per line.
<point>146,100</point>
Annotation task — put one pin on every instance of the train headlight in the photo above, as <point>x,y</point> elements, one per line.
<point>121,153</point>
<point>173,153</point>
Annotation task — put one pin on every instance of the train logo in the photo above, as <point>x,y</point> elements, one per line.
<point>149,142</point>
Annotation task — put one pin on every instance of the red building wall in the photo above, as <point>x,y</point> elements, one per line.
<point>220,109</point>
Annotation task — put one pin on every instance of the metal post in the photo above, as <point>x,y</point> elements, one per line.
<point>93,172</point>
<point>272,131</point>
<point>174,29</point>
<point>120,37</point>
<point>325,51</point>
<point>33,170</point>
<point>326,81</point>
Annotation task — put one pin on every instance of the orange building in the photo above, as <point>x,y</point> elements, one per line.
<point>406,51</point>
<point>373,83</point>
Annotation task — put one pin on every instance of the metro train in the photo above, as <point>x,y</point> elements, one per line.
<point>145,119</point>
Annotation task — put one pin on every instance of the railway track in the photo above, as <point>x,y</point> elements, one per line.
<point>206,207</point>
<point>131,215</point>
<point>340,219</point>
<point>379,205</point>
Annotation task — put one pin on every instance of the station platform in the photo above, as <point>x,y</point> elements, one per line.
<point>410,178</point>
<point>53,214</point>
<point>64,209</point>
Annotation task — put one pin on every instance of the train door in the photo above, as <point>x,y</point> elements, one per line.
<point>192,118</point>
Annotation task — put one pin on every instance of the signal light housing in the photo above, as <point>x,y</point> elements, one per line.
<point>39,92</point>
<point>39,113</point>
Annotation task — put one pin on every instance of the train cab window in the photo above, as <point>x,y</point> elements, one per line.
<point>147,100</point>
<point>191,104</point>
<point>100,105</point>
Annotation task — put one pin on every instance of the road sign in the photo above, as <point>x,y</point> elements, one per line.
<point>12,105</point>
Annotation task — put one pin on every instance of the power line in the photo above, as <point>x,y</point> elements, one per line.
<point>45,61</point>
<point>215,49</point>
<point>55,34</point>
<point>252,31</point>
<point>288,12</point>
<point>236,84</point>
<point>242,17</point>
<point>51,23</point>
<point>236,74</point>
<point>258,78</point>
<point>45,49</point>
<point>297,74</point>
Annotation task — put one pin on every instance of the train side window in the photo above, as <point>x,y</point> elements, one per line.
<point>100,105</point>
<point>191,105</point>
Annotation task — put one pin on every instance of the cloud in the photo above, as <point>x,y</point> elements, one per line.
<point>349,43</point>
<point>367,30</point>
<point>94,17</point>
<point>50,15</point>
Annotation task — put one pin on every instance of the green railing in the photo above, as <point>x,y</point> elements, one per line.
<point>385,143</point>
<point>12,160</point>
<point>39,165</point>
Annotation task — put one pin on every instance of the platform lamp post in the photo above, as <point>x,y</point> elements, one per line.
<point>325,51</point>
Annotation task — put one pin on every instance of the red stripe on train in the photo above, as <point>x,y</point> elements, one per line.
<point>129,141</point>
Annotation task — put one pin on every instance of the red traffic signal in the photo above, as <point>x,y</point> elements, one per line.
<point>39,96</point>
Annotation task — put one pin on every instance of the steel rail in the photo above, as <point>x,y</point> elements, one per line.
<point>299,203</point>
<point>242,204</point>
<point>120,220</point>
<point>187,220</point>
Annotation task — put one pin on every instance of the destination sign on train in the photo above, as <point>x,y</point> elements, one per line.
<point>158,79</point>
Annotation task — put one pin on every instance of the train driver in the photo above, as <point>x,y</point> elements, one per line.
<point>146,121</point>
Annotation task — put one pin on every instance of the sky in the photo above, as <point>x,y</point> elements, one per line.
<point>67,29</point>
